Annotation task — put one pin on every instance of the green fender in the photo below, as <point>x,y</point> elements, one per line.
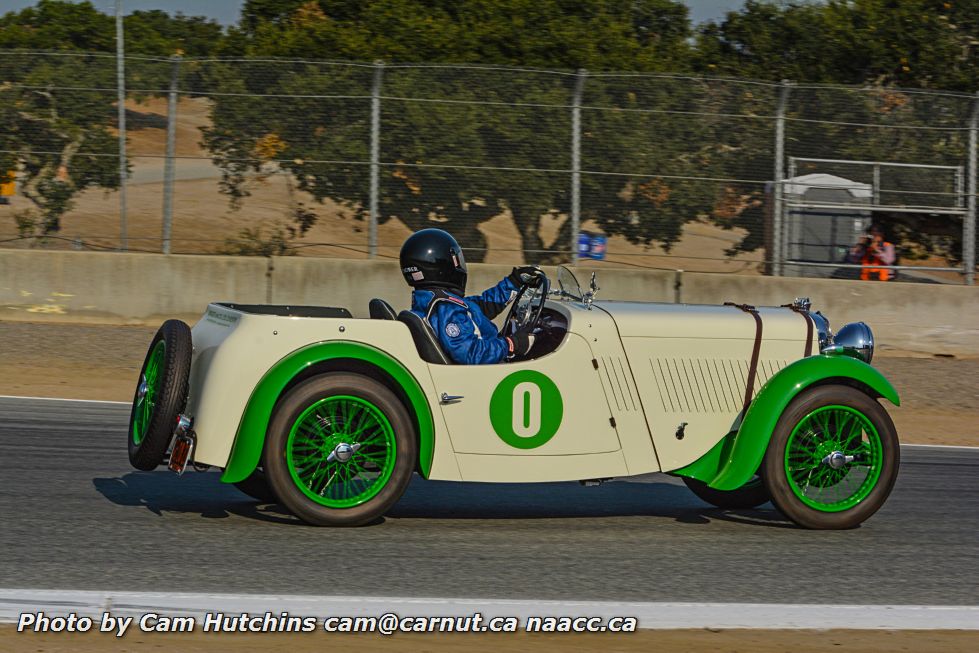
<point>734,460</point>
<point>250,439</point>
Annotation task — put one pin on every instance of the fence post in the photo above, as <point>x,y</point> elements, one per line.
<point>778,208</point>
<point>969,228</point>
<point>121,98</point>
<point>169,161</point>
<point>579,87</point>
<point>375,159</point>
<point>876,188</point>
<point>960,187</point>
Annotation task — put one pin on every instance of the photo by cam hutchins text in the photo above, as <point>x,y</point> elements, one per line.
<point>386,624</point>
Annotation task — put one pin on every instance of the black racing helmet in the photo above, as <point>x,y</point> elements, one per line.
<point>431,258</point>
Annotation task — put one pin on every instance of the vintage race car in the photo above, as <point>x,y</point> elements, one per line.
<point>331,415</point>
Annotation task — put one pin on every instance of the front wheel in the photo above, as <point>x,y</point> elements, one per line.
<point>833,458</point>
<point>340,450</point>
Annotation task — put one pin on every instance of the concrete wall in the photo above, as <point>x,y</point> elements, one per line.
<point>91,286</point>
<point>929,318</point>
<point>352,284</point>
<point>127,286</point>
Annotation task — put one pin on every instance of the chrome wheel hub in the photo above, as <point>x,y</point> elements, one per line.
<point>837,459</point>
<point>342,452</point>
<point>143,388</point>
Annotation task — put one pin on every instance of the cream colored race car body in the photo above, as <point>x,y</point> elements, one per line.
<point>613,389</point>
<point>624,391</point>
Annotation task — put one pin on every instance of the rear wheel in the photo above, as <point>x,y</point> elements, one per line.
<point>161,394</point>
<point>750,495</point>
<point>340,450</point>
<point>833,458</point>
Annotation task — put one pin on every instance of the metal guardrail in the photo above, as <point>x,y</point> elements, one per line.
<point>858,266</point>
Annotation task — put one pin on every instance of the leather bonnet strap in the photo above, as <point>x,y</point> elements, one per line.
<point>755,352</point>
<point>809,325</point>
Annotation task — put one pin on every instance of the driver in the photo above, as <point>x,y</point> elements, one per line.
<point>432,263</point>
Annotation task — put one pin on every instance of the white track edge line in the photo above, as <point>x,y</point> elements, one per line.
<point>651,615</point>
<point>126,403</point>
<point>80,401</point>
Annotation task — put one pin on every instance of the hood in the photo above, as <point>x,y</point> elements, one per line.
<point>661,320</point>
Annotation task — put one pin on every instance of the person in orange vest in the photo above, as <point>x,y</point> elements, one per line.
<point>872,251</point>
<point>7,186</point>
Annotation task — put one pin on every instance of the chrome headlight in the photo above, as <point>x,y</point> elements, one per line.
<point>854,339</point>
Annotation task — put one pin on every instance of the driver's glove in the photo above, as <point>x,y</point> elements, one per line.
<point>525,275</point>
<point>520,342</point>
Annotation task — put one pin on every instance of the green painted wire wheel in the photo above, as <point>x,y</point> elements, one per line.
<point>148,391</point>
<point>829,431</point>
<point>340,450</point>
<point>833,458</point>
<point>161,393</point>
<point>750,495</point>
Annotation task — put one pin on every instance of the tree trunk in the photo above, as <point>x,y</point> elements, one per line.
<point>563,241</point>
<point>527,217</point>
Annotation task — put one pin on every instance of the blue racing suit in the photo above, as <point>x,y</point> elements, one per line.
<point>463,325</point>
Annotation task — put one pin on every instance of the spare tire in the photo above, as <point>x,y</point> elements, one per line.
<point>161,394</point>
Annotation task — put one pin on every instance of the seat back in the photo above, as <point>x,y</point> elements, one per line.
<point>381,310</point>
<point>428,345</point>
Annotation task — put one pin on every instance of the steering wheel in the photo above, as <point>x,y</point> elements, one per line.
<point>528,306</point>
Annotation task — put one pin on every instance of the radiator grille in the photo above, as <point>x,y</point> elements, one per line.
<point>707,385</point>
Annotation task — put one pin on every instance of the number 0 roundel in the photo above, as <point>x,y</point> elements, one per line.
<point>526,409</point>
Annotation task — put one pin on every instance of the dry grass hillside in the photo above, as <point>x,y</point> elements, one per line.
<point>203,219</point>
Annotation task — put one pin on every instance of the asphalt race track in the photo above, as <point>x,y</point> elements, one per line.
<point>77,516</point>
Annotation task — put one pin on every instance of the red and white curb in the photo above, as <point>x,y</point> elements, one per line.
<point>654,615</point>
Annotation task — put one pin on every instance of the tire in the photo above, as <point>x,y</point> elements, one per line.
<point>257,487</point>
<point>750,495</point>
<point>809,490</point>
<point>309,426</point>
<point>161,394</point>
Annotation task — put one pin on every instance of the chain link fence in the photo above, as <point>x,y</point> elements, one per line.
<point>277,157</point>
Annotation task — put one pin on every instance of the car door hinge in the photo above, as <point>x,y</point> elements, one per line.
<point>611,420</point>
<point>594,363</point>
